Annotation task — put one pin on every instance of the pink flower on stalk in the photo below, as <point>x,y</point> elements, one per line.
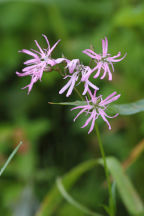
<point>96,107</point>
<point>78,74</point>
<point>103,60</point>
<point>40,62</point>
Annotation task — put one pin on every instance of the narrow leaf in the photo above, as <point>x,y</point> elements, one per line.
<point>122,109</point>
<point>74,103</point>
<point>126,190</point>
<point>130,108</point>
<point>72,201</point>
<point>10,158</point>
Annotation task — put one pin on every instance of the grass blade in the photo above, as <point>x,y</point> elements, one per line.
<point>72,201</point>
<point>10,158</point>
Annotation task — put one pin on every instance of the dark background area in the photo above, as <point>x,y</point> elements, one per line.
<point>52,142</point>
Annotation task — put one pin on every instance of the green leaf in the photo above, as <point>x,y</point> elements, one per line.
<point>130,108</point>
<point>74,103</point>
<point>10,158</point>
<point>72,201</point>
<point>122,109</point>
<point>126,190</point>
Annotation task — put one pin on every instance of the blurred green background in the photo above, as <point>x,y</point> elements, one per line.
<point>52,143</point>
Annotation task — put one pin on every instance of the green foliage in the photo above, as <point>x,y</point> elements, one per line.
<point>125,188</point>
<point>52,143</point>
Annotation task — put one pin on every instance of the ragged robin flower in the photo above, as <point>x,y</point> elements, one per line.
<point>103,61</point>
<point>96,107</point>
<point>41,61</point>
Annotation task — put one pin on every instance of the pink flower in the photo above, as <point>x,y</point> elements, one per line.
<point>78,74</point>
<point>103,60</point>
<point>96,107</point>
<point>40,62</point>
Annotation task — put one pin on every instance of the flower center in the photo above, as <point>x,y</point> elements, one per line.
<point>102,60</point>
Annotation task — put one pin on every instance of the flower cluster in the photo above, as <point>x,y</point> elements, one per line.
<point>77,74</point>
<point>41,61</point>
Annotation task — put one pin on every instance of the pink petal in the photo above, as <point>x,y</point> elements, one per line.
<point>89,91</point>
<point>112,59</point>
<point>107,98</point>
<point>92,54</point>
<point>116,56</point>
<point>105,70</point>
<point>42,52</point>
<point>103,116</point>
<point>31,61</point>
<point>112,66</point>
<point>105,47</point>
<point>92,85</point>
<point>72,65</point>
<point>112,116</point>
<point>36,51</point>
<point>79,107</point>
<point>23,74</point>
<point>46,40</point>
<point>71,88</point>
<point>83,110</point>
<point>59,60</point>
<point>88,120</point>
<point>102,111</point>
<point>110,99</point>
<point>99,65</point>
<point>29,53</point>
<point>85,89</point>
<point>51,62</point>
<point>93,122</point>
<point>29,87</point>
<point>20,74</point>
<point>65,87</point>
<point>95,93</point>
<point>29,68</point>
<point>50,51</point>
<point>41,71</point>
<point>86,75</point>
<point>33,80</point>
<point>87,85</point>
<point>109,72</point>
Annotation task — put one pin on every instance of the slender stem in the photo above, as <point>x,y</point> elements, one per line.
<point>111,205</point>
<point>106,170</point>
<point>77,91</point>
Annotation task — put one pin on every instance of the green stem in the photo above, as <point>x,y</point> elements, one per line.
<point>111,205</point>
<point>106,170</point>
<point>77,91</point>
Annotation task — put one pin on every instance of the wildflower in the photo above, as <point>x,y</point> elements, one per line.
<point>96,107</point>
<point>41,61</point>
<point>78,74</point>
<point>103,60</point>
